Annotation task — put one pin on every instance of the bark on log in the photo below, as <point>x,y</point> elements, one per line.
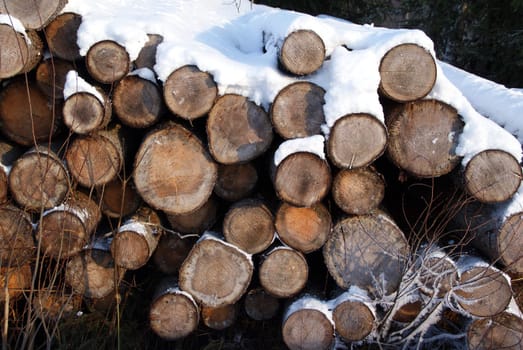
<point>51,76</point>
<point>52,306</point>
<point>492,176</point>
<point>358,191</point>
<point>173,171</point>
<point>84,112</point>
<point>14,281</point>
<point>107,61</point>
<point>235,181</point>
<point>17,245</point>
<point>238,130</point>
<point>303,228</point>
<point>302,52</point>
<point>261,306</point>
<point>61,34</point>
<point>196,222</point>
<point>353,315</point>
<point>118,198</point>
<point>220,317</point>
<point>190,93</point>
<point>302,179</point>
<point>18,55</point>
<point>297,110</point>
<point>216,273</point>
<point>249,225</point>
<point>504,331</point>
<point>171,251</point>
<point>147,56</point>
<point>356,140</point>
<point>26,114</point>
<point>33,14</point>
<point>408,73</point>
<point>368,251</point>
<point>9,153</point>
<point>283,272</point>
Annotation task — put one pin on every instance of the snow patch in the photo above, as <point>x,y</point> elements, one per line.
<point>16,24</point>
<point>145,73</point>
<point>313,144</point>
<point>74,84</point>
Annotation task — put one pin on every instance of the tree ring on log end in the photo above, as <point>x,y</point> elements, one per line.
<point>107,61</point>
<point>302,52</point>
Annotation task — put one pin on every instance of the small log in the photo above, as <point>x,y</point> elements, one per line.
<point>249,225</point>
<point>423,137</point>
<point>17,245</point>
<point>14,281</point>
<point>297,110</point>
<point>147,56</point>
<point>51,76</point>
<point>216,273</point>
<point>302,179</point>
<point>9,153</point>
<point>33,14</point>
<point>189,93</point>
<point>303,228</point>
<point>64,230</point>
<point>118,198</point>
<point>260,305</point>
<point>173,171</point>
<point>95,159</point>
<point>492,176</point>
<point>353,314</point>
<point>235,181</point>
<point>356,140</point>
<point>39,179</point>
<point>26,114</point>
<point>136,239</point>
<point>52,306</point>
<point>137,102</point>
<point>238,130</point>
<point>408,312</point>
<point>283,272</point>
<point>171,251</point>
<point>438,274</point>
<point>358,191</point>
<point>302,52</point>
<point>84,112</point>
<point>408,73</point>
<point>219,318</point>
<point>107,61</point>
<point>368,251</point>
<point>504,331</point>
<point>18,55</point>
<point>61,34</point>
<point>196,222</point>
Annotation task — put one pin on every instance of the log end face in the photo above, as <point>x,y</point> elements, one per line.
<point>284,273</point>
<point>510,241</point>
<point>107,61</point>
<point>173,316</point>
<point>504,331</point>
<point>308,329</point>
<point>353,320</point>
<point>302,52</point>
<point>130,250</point>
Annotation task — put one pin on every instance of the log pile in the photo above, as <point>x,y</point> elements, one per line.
<point>106,171</point>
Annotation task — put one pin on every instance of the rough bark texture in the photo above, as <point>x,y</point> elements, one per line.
<point>308,329</point>
<point>504,331</point>
<point>219,318</point>
<point>260,306</point>
<point>51,75</point>
<point>197,221</point>
<point>9,153</point>
<point>147,56</point>
<point>171,251</point>
<point>14,281</point>
<point>62,36</point>
<point>283,272</point>
<point>84,113</point>
<point>17,245</point>
<point>302,52</point>
<point>353,320</point>
<point>107,61</point>
<point>33,14</point>
<point>235,181</point>
<point>118,198</point>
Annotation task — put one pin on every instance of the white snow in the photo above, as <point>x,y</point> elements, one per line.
<point>309,302</point>
<point>355,294</point>
<point>312,144</point>
<point>16,24</point>
<point>74,84</point>
<point>177,290</point>
<point>216,236</point>
<point>134,226</point>
<point>145,73</point>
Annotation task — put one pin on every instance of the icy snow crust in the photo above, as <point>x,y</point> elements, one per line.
<point>75,83</point>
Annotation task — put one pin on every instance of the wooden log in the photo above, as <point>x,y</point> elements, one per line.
<point>137,101</point>
<point>302,52</point>
<point>189,93</point>
<point>368,251</point>
<point>238,130</point>
<point>260,305</point>
<point>297,110</point>
<point>84,112</point>
<point>97,158</point>
<point>249,225</point>
<point>51,76</point>
<point>356,140</point>
<point>283,272</point>
<point>17,245</point>
<point>302,179</point>
<point>9,153</point>
<point>147,56</point>
<point>171,251</point>
<point>107,61</point>
<point>118,198</point>
<point>423,137</point>
<point>219,318</point>
<point>26,114</point>
<point>61,35</point>
<point>39,179</point>
<point>303,228</point>
<point>64,230</point>
<point>492,176</point>
<point>438,273</point>
<point>14,281</point>
<point>408,312</point>
<point>358,191</point>
<point>503,331</point>
<point>196,222</point>
<point>407,72</point>
<point>33,14</point>
<point>136,239</point>
<point>216,273</point>
<point>20,53</point>
<point>173,171</point>
<point>52,305</point>
<point>353,315</point>
<point>235,181</point>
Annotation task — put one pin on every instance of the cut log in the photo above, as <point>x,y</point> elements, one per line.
<point>235,181</point>
<point>368,251</point>
<point>107,61</point>
<point>238,130</point>
<point>51,76</point>
<point>64,230</point>
<point>18,55</point>
<point>408,73</point>
<point>118,198</point>
<point>249,225</point>
<point>216,273</point>
<point>14,281</point>
<point>358,191</point>
<point>95,159</point>
<point>9,153</point>
<point>504,331</point>
<point>303,228</point>
<point>26,114</point>
<point>84,112</point>
<point>196,222</point>
<point>33,14</point>
<point>261,306</point>
<point>190,93</point>
<point>302,179</point>
<point>438,274</point>
<point>39,180</point>
<point>61,34</point>
<point>492,176</point>
<point>17,245</point>
<point>173,171</point>
<point>353,315</point>
<point>283,272</point>
<point>220,317</point>
<point>423,137</point>
<point>408,312</point>
<point>171,251</point>
<point>135,241</point>
<point>297,110</point>
<point>356,140</point>
<point>147,56</point>
<point>137,102</point>
<point>52,306</point>
<point>302,52</point>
